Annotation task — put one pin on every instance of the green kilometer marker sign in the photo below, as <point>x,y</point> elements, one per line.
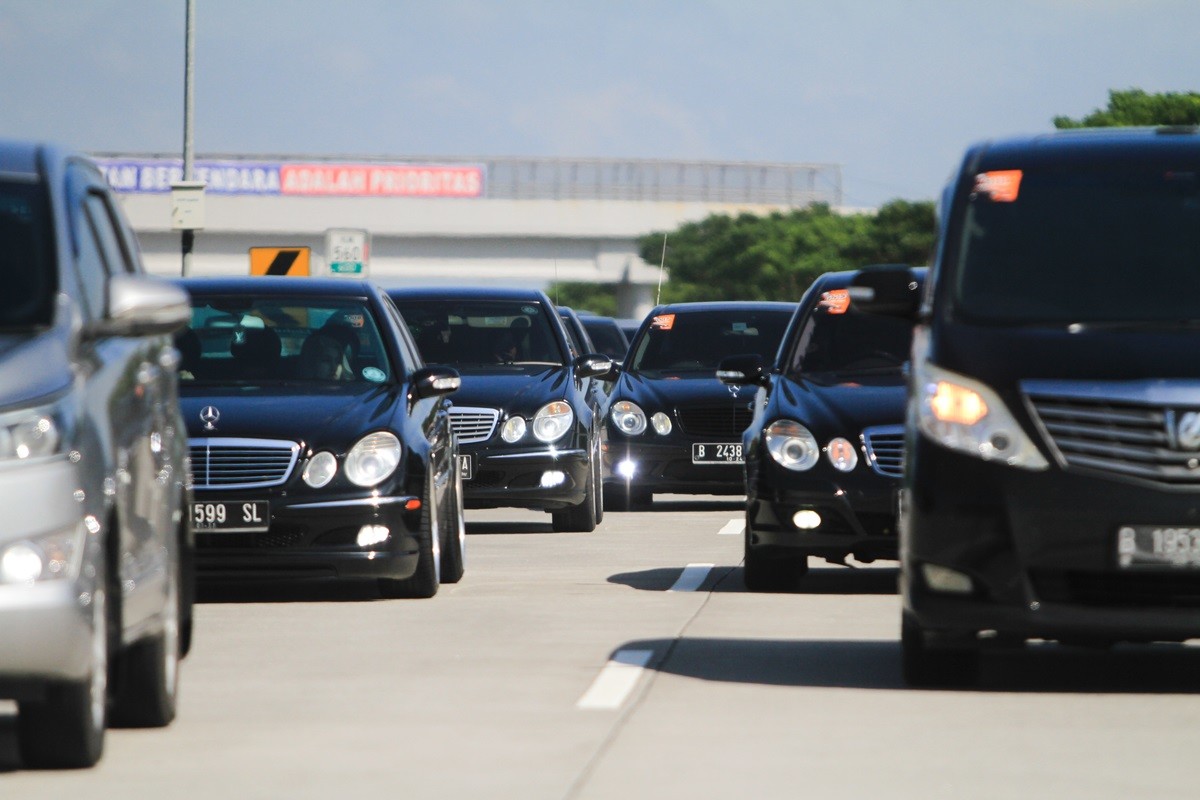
<point>347,251</point>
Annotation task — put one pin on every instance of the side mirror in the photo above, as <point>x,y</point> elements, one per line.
<point>142,305</point>
<point>434,381</point>
<point>747,370</point>
<point>592,365</point>
<point>890,290</point>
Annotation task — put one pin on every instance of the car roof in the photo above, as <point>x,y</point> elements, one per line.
<point>725,305</point>
<point>283,285</point>
<point>842,278</point>
<point>465,292</point>
<point>1091,144</point>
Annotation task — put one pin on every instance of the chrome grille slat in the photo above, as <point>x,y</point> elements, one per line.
<point>885,449</point>
<point>725,422</point>
<point>1119,436</point>
<point>219,463</point>
<point>473,424</point>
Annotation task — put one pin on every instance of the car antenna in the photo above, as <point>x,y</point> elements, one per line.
<point>662,263</point>
<point>556,284</point>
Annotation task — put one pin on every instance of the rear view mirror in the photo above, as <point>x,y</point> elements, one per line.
<point>887,289</point>
<point>592,365</point>
<point>745,370</point>
<point>435,380</point>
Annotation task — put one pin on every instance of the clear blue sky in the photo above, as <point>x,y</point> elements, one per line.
<point>892,90</point>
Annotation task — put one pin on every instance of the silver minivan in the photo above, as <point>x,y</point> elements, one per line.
<point>95,561</point>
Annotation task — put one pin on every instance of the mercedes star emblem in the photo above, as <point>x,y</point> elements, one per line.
<point>209,416</point>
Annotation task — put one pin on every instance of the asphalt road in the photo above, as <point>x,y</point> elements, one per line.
<point>629,663</point>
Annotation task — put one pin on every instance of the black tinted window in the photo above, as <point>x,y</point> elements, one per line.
<point>475,332</point>
<point>691,341</point>
<point>1082,245</point>
<point>26,267</point>
<point>837,342</point>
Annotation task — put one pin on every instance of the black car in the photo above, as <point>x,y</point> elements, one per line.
<point>529,427</point>
<point>606,335</point>
<point>824,451</point>
<point>1052,474</point>
<point>672,426</point>
<point>320,444</point>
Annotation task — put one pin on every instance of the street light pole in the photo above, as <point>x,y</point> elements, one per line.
<point>189,101</point>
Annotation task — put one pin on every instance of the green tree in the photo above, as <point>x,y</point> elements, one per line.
<point>1137,107</point>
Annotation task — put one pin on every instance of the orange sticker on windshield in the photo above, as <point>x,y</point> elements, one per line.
<point>837,301</point>
<point>1002,185</point>
<point>664,322</point>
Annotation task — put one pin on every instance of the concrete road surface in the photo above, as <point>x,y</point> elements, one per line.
<point>628,663</point>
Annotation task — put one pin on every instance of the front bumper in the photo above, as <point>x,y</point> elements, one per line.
<point>313,540</point>
<point>1041,552</point>
<point>668,468</point>
<point>544,478</point>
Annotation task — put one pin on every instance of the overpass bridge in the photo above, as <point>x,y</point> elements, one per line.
<point>509,221</point>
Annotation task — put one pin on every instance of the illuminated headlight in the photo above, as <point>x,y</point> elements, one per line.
<point>320,469</point>
<point>43,558</point>
<point>369,535</point>
<point>628,417</point>
<point>965,415</point>
<point>842,455</point>
<point>373,458</point>
<point>806,520</point>
<point>626,469</point>
<point>792,445</point>
<point>31,433</point>
<point>552,421</point>
<point>513,429</point>
<point>661,423</point>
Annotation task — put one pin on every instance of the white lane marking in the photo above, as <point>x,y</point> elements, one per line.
<point>693,575</point>
<point>734,527</point>
<point>616,680</point>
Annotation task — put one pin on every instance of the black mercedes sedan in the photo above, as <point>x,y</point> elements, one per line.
<point>825,448</point>
<point>672,426</point>
<point>528,426</point>
<point>320,443</point>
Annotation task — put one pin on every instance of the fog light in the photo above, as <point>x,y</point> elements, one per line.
<point>627,469</point>
<point>552,478</point>
<point>372,534</point>
<point>21,564</point>
<point>944,579</point>
<point>806,520</point>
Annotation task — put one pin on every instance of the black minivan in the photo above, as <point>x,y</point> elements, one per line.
<point>1052,471</point>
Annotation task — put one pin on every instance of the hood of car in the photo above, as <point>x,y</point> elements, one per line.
<point>837,409</point>
<point>518,388</point>
<point>32,367</point>
<point>679,391</point>
<point>339,413</point>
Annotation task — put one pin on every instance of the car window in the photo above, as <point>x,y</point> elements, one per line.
<point>240,339</point>
<point>112,248</point>
<point>835,341</point>
<point>480,332</point>
<point>26,267</point>
<point>696,341</point>
<point>607,337</point>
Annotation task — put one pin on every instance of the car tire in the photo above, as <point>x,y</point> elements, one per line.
<point>66,728</point>
<point>580,518</point>
<point>425,580</point>
<point>924,665</point>
<point>455,545</point>
<point>147,675</point>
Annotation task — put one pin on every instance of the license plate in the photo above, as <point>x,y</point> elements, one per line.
<point>716,453</point>
<point>1158,546</point>
<point>231,517</point>
<point>466,468</point>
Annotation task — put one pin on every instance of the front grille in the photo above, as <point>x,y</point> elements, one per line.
<point>1121,437</point>
<point>1119,589</point>
<point>473,424</point>
<point>885,449</point>
<point>725,422</point>
<point>219,463</point>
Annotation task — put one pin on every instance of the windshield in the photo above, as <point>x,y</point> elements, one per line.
<point>838,343</point>
<point>477,332</point>
<point>26,268</point>
<point>257,340</point>
<point>696,341</point>
<point>1101,244</point>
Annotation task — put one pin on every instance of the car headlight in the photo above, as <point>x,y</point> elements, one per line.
<point>373,458</point>
<point>552,421</point>
<point>965,415</point>
<point>661,423</point>
<point>42,558</point>
<point>841,454</point>
<point>628,417</point>
<point>320,469</point>
<point>513,429</point>
<point>792,445</point>
<point>30,434</point>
